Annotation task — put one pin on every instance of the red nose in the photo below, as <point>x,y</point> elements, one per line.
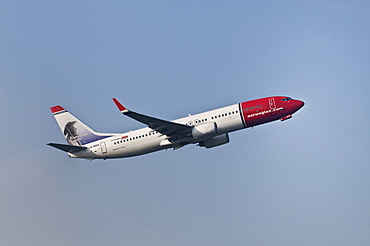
<point>299,104</point>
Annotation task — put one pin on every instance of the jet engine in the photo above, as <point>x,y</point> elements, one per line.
<point>204,130</point>
<point>215,141</point>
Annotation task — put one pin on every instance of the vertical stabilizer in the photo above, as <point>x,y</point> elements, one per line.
<point>75,131</point>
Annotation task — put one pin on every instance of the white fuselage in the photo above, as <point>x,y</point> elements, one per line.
<point>146,140</point>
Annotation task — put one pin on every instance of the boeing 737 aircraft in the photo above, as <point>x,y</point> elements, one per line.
<point>208,129</point>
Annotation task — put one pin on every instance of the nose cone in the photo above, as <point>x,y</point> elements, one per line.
<point>298,104</point>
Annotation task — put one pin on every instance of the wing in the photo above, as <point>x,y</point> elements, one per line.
<point>167,128</point>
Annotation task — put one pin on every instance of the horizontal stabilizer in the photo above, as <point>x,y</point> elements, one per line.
<point>66,147</point>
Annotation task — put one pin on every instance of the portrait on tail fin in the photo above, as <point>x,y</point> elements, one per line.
<point>70,133</point>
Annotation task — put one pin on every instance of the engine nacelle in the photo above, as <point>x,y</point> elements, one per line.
<point>215,141</point>
<point>203,130</point>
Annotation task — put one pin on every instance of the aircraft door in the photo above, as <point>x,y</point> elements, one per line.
<point>272,103</point>
<point>103,147</point>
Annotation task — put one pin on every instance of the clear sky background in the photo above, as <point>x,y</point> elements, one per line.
<point>305,181</point>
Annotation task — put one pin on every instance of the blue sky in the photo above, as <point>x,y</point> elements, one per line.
<point>301,182</point>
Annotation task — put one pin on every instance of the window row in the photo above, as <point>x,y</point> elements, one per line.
<point>200,121</point>
<point>134,138</point>
<point>224,115</point>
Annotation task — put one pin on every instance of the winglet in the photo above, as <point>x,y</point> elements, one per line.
<point>121,108</point>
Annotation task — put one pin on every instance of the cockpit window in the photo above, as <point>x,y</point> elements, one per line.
<point>286,99</point>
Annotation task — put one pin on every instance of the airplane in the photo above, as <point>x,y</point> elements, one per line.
<point>208,129</point>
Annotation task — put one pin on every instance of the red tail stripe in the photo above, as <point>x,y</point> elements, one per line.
<point>56,109</point>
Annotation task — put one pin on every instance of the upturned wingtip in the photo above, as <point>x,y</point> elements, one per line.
<point>120,106</point>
